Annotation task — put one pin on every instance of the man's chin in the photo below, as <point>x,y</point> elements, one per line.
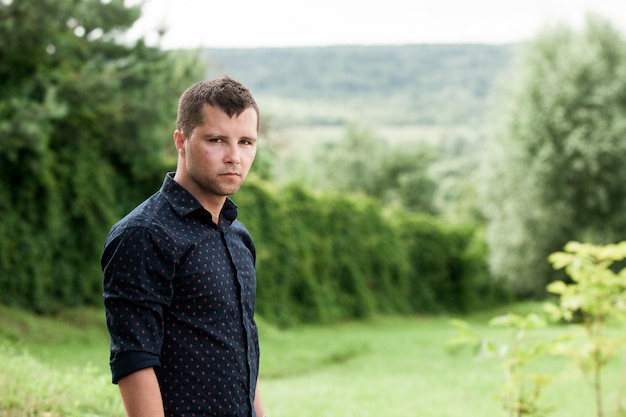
<point>226,191</point>
<point>231,188</point>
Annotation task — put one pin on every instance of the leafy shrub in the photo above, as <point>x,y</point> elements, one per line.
<point>328,257</point>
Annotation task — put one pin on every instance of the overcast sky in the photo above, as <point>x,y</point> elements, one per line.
<point>278,23</point>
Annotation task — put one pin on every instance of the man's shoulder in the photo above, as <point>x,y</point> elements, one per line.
<point>240,233</point>
<point>148,211</point>
<point>148,216</point>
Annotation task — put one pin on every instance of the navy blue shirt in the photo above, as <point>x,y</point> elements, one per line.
<point>179,295</point>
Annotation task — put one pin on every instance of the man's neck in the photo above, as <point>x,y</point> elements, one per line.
<point>213,204</point>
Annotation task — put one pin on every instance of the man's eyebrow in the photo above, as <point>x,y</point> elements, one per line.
<point>213,135</point>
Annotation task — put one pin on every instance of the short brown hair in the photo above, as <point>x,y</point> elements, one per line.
<point>226,94</point>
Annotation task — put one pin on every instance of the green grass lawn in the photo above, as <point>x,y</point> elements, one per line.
<point>388,366</point>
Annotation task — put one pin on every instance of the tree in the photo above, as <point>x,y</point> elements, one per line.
<point>362,162</point>
<point>556,161</point>
<point>84,120</point>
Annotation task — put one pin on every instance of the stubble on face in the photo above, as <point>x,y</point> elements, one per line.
<point>221,183</point>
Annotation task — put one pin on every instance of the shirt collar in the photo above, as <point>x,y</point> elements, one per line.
<point>183,202</point>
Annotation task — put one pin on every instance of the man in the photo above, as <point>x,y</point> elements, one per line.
<point>179,271</point>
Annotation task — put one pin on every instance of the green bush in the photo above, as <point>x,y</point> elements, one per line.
<point>327,257</point>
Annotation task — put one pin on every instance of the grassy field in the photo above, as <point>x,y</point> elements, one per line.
<point>389,366</point>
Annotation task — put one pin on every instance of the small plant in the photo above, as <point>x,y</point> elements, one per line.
<point>522,387</point>
<point>596,298</point>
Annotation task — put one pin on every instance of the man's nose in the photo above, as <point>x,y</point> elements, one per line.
<point>232,154</point>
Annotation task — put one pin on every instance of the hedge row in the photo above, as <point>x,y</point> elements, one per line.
<point>323,258</point>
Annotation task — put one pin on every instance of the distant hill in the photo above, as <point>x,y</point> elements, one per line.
<point>393,85</point>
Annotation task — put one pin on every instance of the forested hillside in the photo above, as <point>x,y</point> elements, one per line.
<point>392,85</point>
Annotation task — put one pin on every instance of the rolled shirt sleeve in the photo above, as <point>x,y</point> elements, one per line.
<point>138,270</point>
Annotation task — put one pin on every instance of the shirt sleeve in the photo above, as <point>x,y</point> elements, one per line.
<point>138,268</point>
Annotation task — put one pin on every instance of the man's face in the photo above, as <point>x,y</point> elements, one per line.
<point>218,155</point>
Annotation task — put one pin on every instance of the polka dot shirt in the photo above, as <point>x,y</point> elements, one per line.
<point>179,295</point>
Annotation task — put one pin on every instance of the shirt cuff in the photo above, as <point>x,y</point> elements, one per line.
<point>129,362</point>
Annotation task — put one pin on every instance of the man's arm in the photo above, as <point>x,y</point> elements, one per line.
<point>258,404</point>
<point>141,394</point>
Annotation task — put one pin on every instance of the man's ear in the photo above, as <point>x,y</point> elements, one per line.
<point>179,141</point>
